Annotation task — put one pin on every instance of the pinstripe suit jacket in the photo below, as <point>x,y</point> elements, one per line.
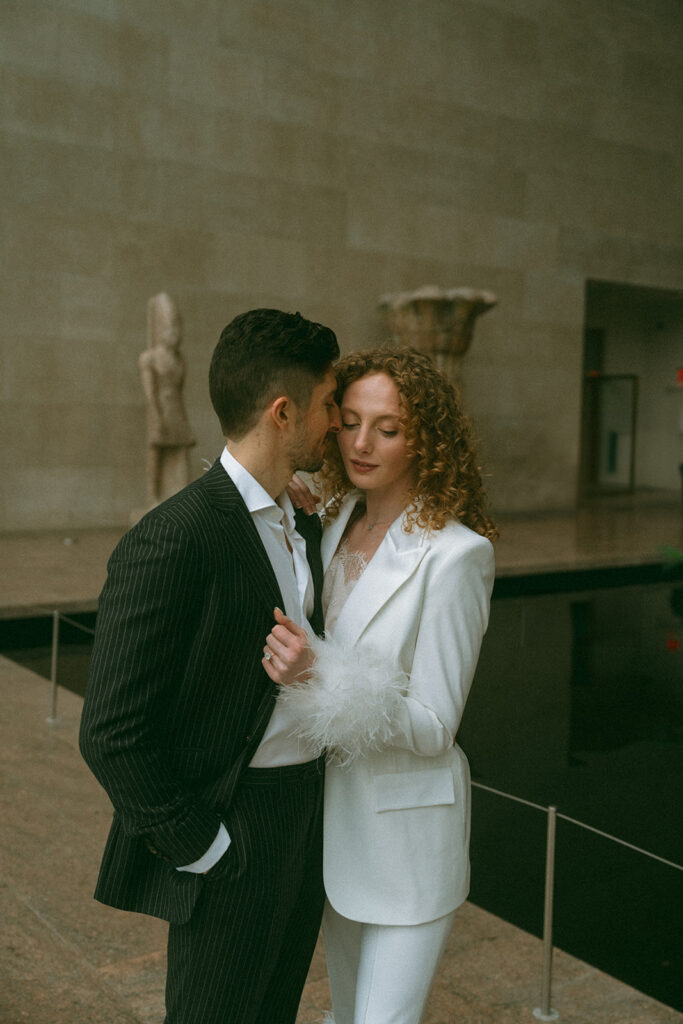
<point>177,699</point>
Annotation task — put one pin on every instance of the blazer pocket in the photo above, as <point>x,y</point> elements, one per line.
<point>400,790</point>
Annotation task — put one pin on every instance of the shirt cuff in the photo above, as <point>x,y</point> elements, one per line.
<point>218,847</point>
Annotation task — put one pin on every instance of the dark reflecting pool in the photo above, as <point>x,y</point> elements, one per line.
<point>29,642</point>
<point>578,702</point>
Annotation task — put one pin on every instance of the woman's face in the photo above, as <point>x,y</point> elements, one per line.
<point>372,444</point>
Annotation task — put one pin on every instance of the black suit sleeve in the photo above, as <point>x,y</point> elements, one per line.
<point>139,654</point>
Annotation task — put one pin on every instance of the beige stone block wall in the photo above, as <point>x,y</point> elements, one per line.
<point>315,157</point>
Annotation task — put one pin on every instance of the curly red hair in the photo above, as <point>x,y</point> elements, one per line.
<point>448,481</point>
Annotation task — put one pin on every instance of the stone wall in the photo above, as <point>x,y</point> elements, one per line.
<point>314,156</point>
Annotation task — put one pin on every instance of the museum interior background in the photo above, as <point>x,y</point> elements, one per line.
<point>316,156</point>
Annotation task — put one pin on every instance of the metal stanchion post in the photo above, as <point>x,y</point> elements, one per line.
<point>53,665</point>
<point>544,1012</point>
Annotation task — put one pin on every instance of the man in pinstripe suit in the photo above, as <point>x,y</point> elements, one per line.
<point>217,809</point>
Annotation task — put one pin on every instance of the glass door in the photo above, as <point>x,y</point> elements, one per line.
<point>608,433</point>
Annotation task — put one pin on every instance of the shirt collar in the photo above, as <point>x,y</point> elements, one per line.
<point>255,497</point>
<point>285,503</point>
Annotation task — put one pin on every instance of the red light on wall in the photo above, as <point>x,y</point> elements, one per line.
<point>679,376</point>
<point>673,643</point>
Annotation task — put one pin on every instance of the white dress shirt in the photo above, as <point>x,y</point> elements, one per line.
<point>274,522</point>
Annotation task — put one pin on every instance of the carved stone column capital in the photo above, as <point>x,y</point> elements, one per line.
<point>439,322</point>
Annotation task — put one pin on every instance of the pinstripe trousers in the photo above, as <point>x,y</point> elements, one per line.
<point>243,956</point>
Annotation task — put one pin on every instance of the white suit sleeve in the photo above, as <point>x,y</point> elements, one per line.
<point>357,699</point>
<point>452,626</point>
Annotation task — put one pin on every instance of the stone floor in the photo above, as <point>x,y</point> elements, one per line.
<point>614,531</point>
<point>66,960</point>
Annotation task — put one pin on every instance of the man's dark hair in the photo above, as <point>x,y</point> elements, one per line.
<point>262,354</point>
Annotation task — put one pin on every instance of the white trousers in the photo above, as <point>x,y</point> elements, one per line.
<point>381,974</point>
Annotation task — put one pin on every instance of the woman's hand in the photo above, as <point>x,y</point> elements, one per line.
<point>302,496</point>
<point>287,656</point>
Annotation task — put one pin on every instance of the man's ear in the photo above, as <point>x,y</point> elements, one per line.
<point>282,412</point>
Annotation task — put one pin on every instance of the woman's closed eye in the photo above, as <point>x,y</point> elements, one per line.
<point>348,425</point>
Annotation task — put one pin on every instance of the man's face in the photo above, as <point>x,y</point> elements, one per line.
<point>314,424</point>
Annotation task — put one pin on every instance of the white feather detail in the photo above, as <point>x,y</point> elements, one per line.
<point>348,704</point>
<point>327,1019</point>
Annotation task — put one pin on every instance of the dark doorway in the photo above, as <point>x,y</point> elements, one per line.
<point>632,409</point>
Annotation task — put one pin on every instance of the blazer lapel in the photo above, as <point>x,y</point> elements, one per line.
<point>394,562</point>
<point>244,538</point>
<point>310,529</point>
<point>334,530</point>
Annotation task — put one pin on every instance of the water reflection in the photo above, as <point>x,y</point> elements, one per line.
<point>578,702</point>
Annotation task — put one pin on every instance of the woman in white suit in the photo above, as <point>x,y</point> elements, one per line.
<point>408,576</point>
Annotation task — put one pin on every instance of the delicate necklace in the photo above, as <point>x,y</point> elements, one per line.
<point>371,526</point>
<point>363,514</point>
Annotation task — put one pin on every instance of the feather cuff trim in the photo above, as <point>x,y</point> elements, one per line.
<point>348,704</point>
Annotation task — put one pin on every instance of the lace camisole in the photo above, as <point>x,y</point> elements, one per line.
<point>342,574</point>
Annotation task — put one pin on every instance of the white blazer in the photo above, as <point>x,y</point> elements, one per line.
<point>387,696</point>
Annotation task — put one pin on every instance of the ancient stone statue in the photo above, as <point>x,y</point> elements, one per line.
<point>437,321</point>
<point>162,370</point>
